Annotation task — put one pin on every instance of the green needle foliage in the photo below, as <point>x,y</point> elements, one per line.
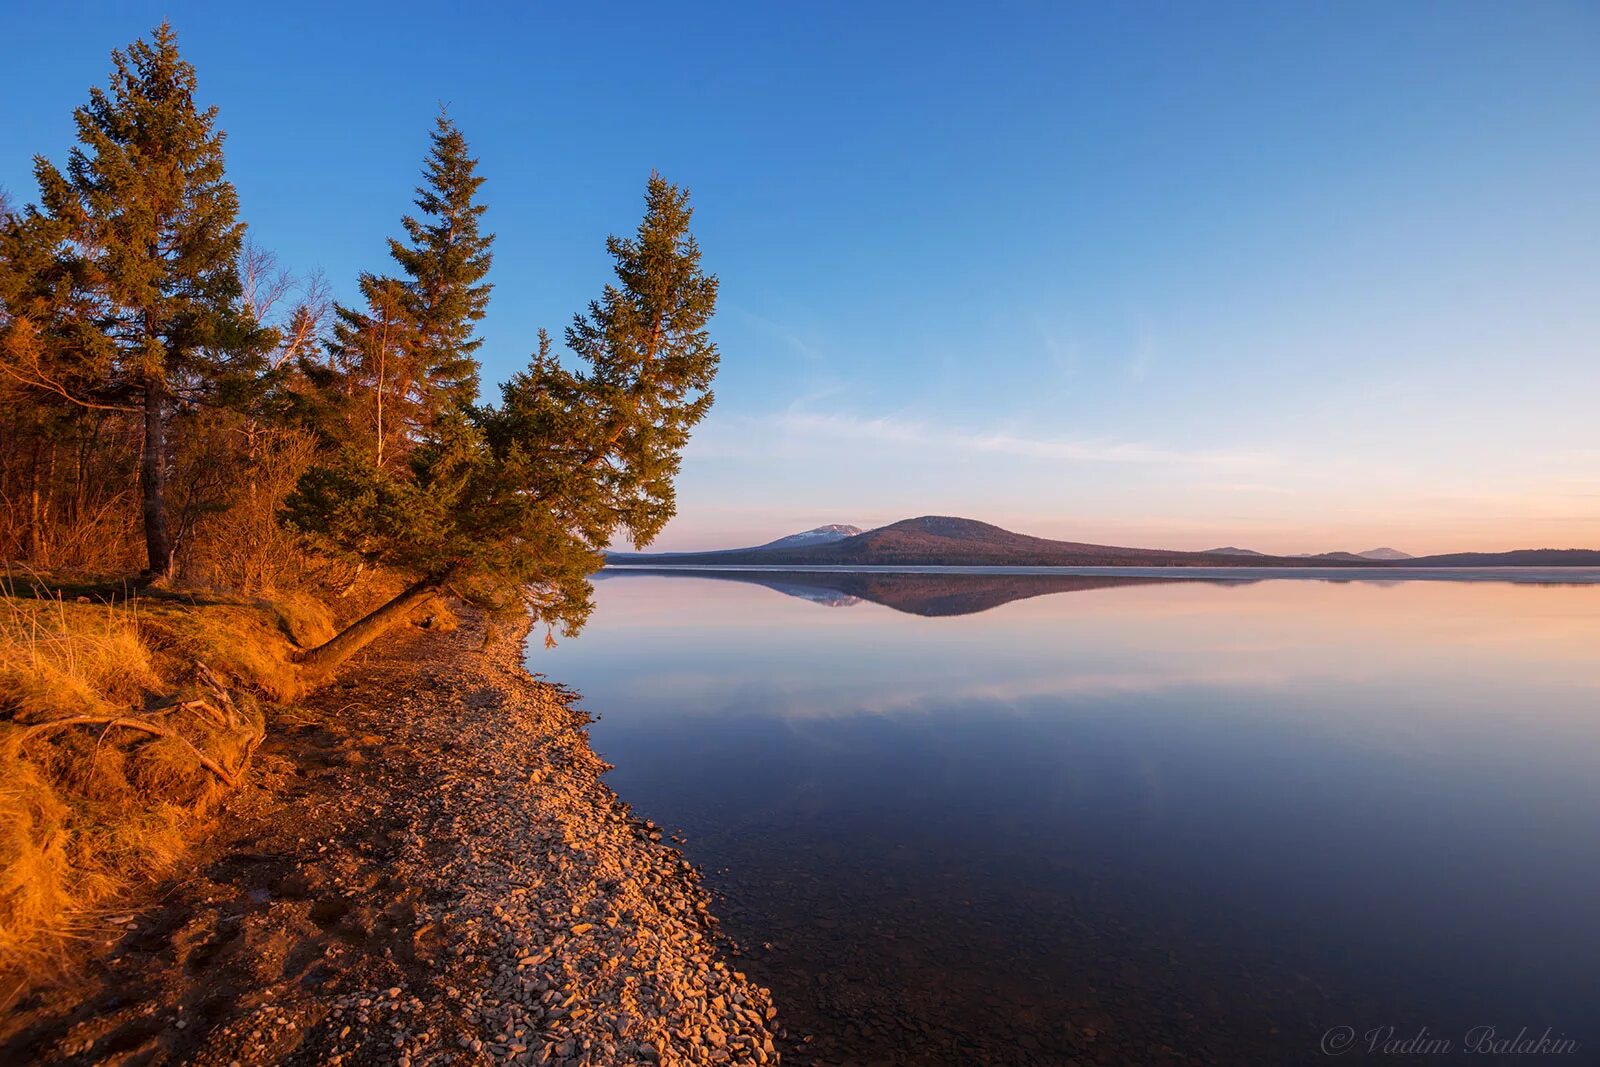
<point>651,362</point>
<point>406,358</point>
<point>325,461</point>
<point>136,304</point>
<point>129,326</point>
<point>445,265</point>
<point>512,505</point>
<point>374,410</point>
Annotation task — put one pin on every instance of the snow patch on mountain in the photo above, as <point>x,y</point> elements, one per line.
<point>1385,553</point>
<point>821,535</point>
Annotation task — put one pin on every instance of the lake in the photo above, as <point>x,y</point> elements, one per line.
<point>1058,817</point>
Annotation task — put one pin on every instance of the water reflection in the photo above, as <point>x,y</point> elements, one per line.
<point>914,593</point>
<point>1149,821</point>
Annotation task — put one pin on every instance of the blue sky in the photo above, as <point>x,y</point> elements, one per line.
<point>1298,277</point>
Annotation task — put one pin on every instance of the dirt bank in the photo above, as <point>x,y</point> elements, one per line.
<point>424,868</point>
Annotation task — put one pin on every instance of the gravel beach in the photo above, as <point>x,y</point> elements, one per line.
<point>425,868</point>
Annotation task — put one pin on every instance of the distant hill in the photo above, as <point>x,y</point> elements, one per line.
<point>819,535</point>
<point>1385,554</point>
<point>1525,557</point>
<point>946,541</point>
<point>942,540</point>
<point>1382,555</point>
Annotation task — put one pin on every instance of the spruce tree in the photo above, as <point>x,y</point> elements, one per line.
<point>147,232</point>
<point>445,264</point>
<point>512,505</point>
<point>407,357</point>
<point>650,358</point>
<point>49,348</point>
<point>43,316</point>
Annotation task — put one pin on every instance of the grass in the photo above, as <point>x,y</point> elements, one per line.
<point>158,688</point>
<point>64,659</point>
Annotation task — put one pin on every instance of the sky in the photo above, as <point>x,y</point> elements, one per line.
<point>1295,277</point>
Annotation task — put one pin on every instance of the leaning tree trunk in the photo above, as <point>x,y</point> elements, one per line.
<point>153,479</point>
<point>361,633</point>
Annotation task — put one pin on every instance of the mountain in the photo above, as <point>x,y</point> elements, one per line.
<point>821,535</point>
<point>1381,554</point>
<point>942,540</point>
<point>1385,554</point>
<point>946,541</point>
<point>1525,557</point>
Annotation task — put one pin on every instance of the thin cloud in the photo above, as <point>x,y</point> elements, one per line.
<point>892,430</point>
<point>792,340</point>
<point>1250,488</point>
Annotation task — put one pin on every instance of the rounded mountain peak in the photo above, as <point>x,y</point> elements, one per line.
<point>946,526</point>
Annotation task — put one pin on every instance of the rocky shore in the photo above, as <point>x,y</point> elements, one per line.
<point>425,868</point>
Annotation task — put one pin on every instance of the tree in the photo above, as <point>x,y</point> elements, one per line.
<point>66,456</point>
<point>406,358</point>
<point>513,504</point>
<point>651,362</point>
<point>376,412</point>
<point>445,265</point>
<point>145,243</point>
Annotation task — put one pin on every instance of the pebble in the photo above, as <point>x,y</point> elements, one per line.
<point>542,925</point>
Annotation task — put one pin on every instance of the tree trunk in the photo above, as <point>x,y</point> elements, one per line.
<point>361,633</point>
<point>153,479</point>
<point>47,521</point>
<point>33,550</point>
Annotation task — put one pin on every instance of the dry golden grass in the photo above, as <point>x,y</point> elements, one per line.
<point>60,658</point>
<point>245,643</point>
<point>305,618</point>
<point>160,694</point>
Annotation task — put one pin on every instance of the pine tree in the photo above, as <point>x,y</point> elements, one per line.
<point>406,358</point>
<point>49,347</point>
<point>43,318</point>
<point>651,359</point>
<point>512,505</point>
<point>147,242</point>
<point>445,264</point>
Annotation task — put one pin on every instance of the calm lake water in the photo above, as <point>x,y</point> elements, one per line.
<point>1057,818</point>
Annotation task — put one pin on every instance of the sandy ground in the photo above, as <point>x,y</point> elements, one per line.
<point>425,868</point>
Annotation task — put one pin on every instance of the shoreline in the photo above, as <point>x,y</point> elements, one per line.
<point>425,867</point>
<point>1536,574</point>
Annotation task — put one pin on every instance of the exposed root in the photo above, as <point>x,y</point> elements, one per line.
<point>154,729</point>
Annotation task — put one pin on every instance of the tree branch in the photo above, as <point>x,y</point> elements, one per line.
<point>141,725</point>
<point>61,390</point>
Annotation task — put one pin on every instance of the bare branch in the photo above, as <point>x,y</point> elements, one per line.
<point>265,282</point>
<point>142,725</point>
<point>27,371</point>
<point>304,328</point>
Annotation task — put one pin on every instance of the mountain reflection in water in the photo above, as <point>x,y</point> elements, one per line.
<point>1178,816</point>
<point>912,593</point>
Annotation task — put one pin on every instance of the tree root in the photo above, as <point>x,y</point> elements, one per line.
<point>143,725</point>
